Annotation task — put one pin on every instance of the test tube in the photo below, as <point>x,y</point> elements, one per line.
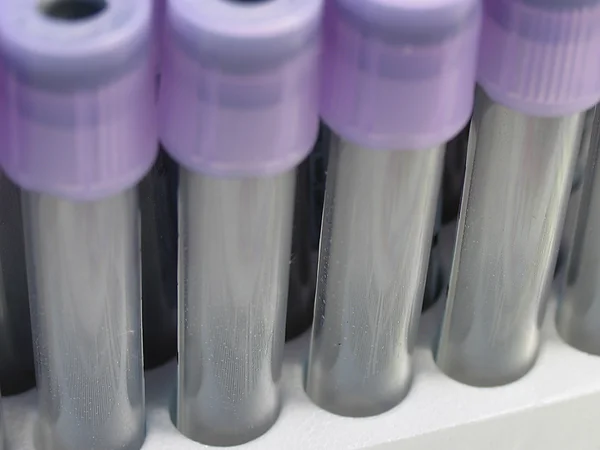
<point>238,112</point>
<point>80,117</point>
<point>578,318</point>
<point>17,372</point>
<point>538,73</point>
<point>397,84</point>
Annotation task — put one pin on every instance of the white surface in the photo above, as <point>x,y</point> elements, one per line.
<point>555,407</point>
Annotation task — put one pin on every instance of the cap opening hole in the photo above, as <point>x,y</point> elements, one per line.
<point>72,10</point>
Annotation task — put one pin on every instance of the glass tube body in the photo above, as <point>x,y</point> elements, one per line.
<point>378,219</point>
<point>575,198</point>
<point>235,244</point>
<point>84,278</point>
<point>578,320</point>
<point>517,185</point>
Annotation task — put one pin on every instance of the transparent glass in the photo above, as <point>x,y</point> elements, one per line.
<point>517,185</point>
<point>234,258</point>
<point>378,219</point>
<point>578,319</point>
<point>84,278</point>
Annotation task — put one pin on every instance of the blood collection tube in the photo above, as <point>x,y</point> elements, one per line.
<point>398,80</point>
<point>79,107</point>
<point>238,112</point>
<point>578,319</point>
<point>538,73</point>
<point>17,372</point>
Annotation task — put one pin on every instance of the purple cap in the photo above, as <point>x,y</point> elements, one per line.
<point>239,87</point>
<point>77,98</point>
<point>399,74</point>
<point>541,57</point>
